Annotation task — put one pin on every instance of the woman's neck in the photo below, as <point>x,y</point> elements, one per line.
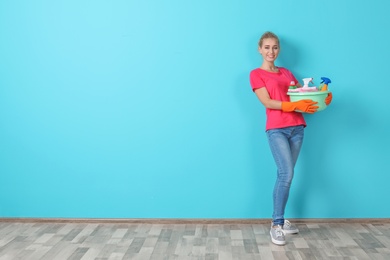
<point>269,67</point>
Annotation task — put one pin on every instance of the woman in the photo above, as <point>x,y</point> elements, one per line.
<point>284,127</point>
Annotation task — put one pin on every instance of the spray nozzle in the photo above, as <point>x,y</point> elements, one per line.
<point>306,82</point>
<point>325,80</point>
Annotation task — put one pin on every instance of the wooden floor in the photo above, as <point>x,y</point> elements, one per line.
<point>42,240</point>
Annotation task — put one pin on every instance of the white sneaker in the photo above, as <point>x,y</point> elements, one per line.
<point>289,228</point>
<point>277,236</point>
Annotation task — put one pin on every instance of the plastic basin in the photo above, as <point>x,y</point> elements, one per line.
<point>318,96</point>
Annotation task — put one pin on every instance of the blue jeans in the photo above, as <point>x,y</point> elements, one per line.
<point>285,144</point>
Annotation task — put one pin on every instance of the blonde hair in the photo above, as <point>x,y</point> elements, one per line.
<point>268,35</point>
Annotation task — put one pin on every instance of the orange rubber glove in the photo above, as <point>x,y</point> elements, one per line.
<point>328,99</point>
<point>306,105</point>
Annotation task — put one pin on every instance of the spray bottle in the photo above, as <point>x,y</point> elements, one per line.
<point>324,84</point>
<point>306,82</point>
<point>306,87</point>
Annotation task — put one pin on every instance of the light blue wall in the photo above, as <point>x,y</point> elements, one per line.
<point>143,109</point>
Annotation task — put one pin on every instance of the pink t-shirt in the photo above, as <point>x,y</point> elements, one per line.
<point>277,86</point>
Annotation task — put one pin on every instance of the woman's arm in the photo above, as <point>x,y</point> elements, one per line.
<point>263,95</point>
<point>305,105</point>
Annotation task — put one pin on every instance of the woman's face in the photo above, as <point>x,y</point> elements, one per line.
<point>269,49</point>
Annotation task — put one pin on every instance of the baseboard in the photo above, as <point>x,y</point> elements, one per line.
<point>193,221</point>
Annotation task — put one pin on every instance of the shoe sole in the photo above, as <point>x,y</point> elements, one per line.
<point>290,231</point>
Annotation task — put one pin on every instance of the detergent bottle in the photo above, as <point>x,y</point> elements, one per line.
<point>292,85</point>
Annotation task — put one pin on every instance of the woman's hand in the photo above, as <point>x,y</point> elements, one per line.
<point>328,99</point>
<point>306,105</point>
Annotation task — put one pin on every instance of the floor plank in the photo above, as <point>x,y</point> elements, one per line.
<point>222,241</point>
